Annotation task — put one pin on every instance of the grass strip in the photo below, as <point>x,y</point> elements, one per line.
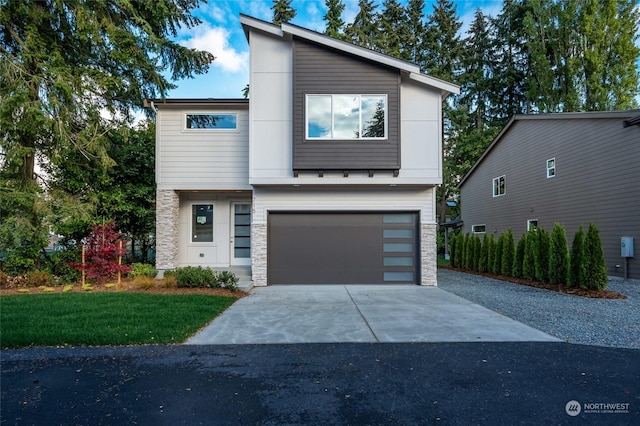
<point>104,319</point>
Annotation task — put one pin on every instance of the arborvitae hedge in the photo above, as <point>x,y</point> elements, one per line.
<point>477,248</point>
<point>497,256</point>
<point>508,253</point>
<point>482,264</point>
<point>558,256</point>
<point>491,253</point>
<point>529,260</point>
<point>542,255</point>
<point>596,267</point>
<point>468,252</point>
<point>453,240</point>
<point>519,257</point>
<point>577,267</point>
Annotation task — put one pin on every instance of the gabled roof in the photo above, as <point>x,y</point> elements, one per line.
<point>556,116</point>
<point>408,68</point>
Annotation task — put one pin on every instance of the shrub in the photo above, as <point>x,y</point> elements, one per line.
<point>577,262</point>
<point>459,250</point>
<point>491,252</point>
<point>143,270</point>
<point>477,248</point>
<point>39,278</point>
<point>170,280</point>
<point>542,255</point>
<point>228,280</point>
<point>519,258</point>
<point>59,265</point>
<point>497,256</point>
<point>452,249</point>
<point>558,256</point>
<point>508,253</point>
<point>195,277</point>
<point>144,282</point>
<point>468,252</point>
<point>482,262</point>
<point>596,268</point>
<point>529,258</point>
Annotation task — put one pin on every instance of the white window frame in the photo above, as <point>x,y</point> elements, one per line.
<point>551,171</point>
<point>213,129</point>
<point>474,231</point>
<point>493,186</point>
<point>530,222</point>
<point>213,218</point>
<point>333,95</point>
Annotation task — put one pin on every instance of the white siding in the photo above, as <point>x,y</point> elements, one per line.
<point>270,137</point>
<point>201,159</point>
<point>421,131</point>
<point>344,199</point>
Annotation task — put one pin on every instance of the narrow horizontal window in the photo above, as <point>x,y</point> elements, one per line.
<point>397,233</point>
<point>398,261</point>
<point>397,247</point>
<point>398,276</point>
<point>212,121</point>
<point>398,218</point>
<point>345,117</point>
<point>478,229</point>
<point>499,186</point>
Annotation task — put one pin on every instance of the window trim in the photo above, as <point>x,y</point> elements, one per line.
<point>213,218</point>
<point>333,95</point>
<point>473,229</point>
<point>212,129</point>
<point>493,189</point>
<point>552,168</point>
<point>529,221</point>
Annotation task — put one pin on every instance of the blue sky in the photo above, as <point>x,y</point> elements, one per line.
<point>221,34</point>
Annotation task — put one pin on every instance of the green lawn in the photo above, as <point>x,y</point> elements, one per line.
<point>97,319</point>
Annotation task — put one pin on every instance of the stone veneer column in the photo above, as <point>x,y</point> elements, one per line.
<point>428,255</point>
<point>167,212</point>
<point>259,254</point>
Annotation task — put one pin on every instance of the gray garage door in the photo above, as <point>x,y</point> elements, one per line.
<point>343,248</point>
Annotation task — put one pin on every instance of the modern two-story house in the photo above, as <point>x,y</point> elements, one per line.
<point>570,168</point>
<point>326,175</point>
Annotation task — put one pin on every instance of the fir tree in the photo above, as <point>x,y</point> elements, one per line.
<point>333,17</point>
<point>393,30</point>
<point>363,31</point>
<point>282,11</point>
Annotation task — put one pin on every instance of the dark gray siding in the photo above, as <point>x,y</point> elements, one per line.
<point>597,179</point>
<point>317,70</point>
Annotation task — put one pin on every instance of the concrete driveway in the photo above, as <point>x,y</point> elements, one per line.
<point>360,313</point>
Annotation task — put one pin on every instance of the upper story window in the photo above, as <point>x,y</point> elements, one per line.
<point>499,186</point>
<point>346,117</point>
<point>551,167</point>
<point>226,121</point>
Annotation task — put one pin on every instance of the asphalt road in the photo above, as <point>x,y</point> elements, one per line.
<point>349,383</point>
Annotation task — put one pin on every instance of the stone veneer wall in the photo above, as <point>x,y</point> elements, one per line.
<point>428,255</point>
<point>259,254</point>
<point>167,212</point>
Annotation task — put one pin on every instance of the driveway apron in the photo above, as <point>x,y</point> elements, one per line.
<point>360,313</point>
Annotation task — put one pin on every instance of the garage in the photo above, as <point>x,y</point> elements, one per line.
<point>343,248</point>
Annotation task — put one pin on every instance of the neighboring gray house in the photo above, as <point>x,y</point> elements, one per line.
<point>570,168</point>
<point>326,175</point>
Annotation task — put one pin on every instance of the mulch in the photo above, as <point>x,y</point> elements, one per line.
<point>594,294</point>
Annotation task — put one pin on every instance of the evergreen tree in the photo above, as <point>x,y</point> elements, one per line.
<point>453,240</point>
<point>518,260</point>
<point>443,44</point>
<point>491,250</point>
<point>497,257</point>
<point>414,44</point>
<point>460,251</point>
<point>577,260</point>
<point>508,254</point>
<point>558,256</point>
<point>542,255</point>
<point>596,268</point>
<point>63,65</point>
<point>530,253</point>
<point>484,254</point>
<point>477,248</point>
<point>393,30</point>
<point>363,31</point>
<point>282,11</point>
<point>468,251</point>
<point>333,17</point>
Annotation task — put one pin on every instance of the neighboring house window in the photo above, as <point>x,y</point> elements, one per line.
<point>532,224</point>
<point>499,186</point>
<point>478,229</point>
<point>202,223</point>
<point>551,167</point>
<point>211,121</point>
<point>346,116</point>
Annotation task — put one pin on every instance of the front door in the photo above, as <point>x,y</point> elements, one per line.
<point>241,233</point>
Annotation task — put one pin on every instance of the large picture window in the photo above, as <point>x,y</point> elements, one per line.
<point>346,117</point>
<point>211,121</point>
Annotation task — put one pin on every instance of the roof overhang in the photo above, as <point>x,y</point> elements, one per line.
<point>232,102</point>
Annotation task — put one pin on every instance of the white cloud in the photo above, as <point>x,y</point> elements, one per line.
<point>216,41</point>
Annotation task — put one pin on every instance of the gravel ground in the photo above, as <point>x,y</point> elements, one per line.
<point>600,322</point>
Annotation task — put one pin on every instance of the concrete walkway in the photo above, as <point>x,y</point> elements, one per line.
<point>360,313</point>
